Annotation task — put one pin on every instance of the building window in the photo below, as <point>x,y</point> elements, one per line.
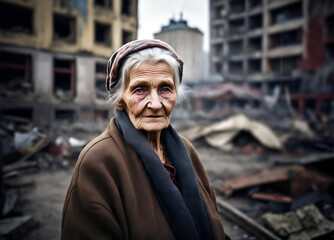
<point>21,113</point>
<point>255,44</point>
<point>255,3</point>
<point>237,25</point>
<point>103,3</point>
<point>100,81</point>
<point>219,12</point>
<point>126,7</point>
<point>286,13</point>
<point>285,38</point>
<point>235,67</point>
<point>237,6</point>
<point>102,33</point>
<point>235,47</point>
<point>126,36</point>
<point>285,66</point>
<point>218,31</point>
<point>64,79</point>
<point>219,68</point>
<point>65,116</point>
<point>15,72</point>
<point>255,22</point>
<point>101,115</point>
<point>64,28</point>
<point>254,66</point>
<point>218,49</point>
<point>15,18</point>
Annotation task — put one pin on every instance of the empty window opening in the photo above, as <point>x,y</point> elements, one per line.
<point>102,33</point>
<point>284,66</point>
<point>286,13</point>
<point>63,28</point>
<point>103,3</point>
<point>126,36</point>
<point>330,25</point>
<point>15,18</point>
<point>255,22</point>
<point>330,51</point>
<point>61,3</point>
<point>237,6</point>
<point>286,38</point>
<point>255,3</point>
<point>64,79</point>
<point>65,116</point>
<point>100,81</point>
<point>236,47</point>
<point>236,67</point>
<point>254,66</point>
<point>18,113</point>
<point>218,31</point>
<point>255,44</point>
<point>126,7</point>
<point>219,68</point>
<point>237,25</point>
<point>15,72</point>
<point>219,12</point>
<point>218,49</point>
<point>101,115</point>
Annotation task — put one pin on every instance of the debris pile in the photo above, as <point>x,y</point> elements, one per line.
<point>24,150</point>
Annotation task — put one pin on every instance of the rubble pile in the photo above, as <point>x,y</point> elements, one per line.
<point>26,150</point>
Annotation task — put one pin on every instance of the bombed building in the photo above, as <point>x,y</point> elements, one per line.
<point>53,56</point>
<point>268,44</point>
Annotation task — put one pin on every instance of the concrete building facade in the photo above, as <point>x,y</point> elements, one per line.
<point>188,43</point>
<point>53,56</point>
<point>269,43</point>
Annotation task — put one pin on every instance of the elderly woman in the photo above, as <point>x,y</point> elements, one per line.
<point>139,179</point>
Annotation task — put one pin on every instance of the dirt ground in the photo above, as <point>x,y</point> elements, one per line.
<point>44,200</point>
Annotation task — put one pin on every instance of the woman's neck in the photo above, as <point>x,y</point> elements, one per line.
<point>154,139</point>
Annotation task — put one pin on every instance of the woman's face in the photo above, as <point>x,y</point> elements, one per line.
<point>149,96</point>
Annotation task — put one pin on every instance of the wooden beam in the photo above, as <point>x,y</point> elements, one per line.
<point>238,217</point>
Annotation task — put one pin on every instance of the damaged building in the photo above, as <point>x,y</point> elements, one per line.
<point>53,56</point>
<point>267,44</point>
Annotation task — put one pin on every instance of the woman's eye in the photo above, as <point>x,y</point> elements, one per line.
<point>166,89</point>
<point>138,90</point>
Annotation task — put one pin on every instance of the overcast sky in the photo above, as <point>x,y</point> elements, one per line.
<point>153,14</point>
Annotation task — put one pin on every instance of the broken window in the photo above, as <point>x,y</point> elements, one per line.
<point>100,81</point>
<point>255,3</point>
<point>255,22</point>
<point>65,116</point>
<point>219,12</point>
<point>101,115</point>
<point>219,68</point>
<point>103,3</point>
<point>126,7</point>
<point>18,113</point>
<point>64,79</point>
<point>218,49</point>
<point>126,36</point>
<point>285,38</point>
<point>237,25</point>
<point>64,28</point>
<point>236,47</point>
<point>285,66</point>
<point>15,73</point>
<point>103,33</point>
<point>218,31</point>
<point>254,66</point>
<point>61,3</point>
<point>237,6</point>
<point>235,67</point>
<point>15,18</point>
<point>286,13</point>
<point>255,44</point>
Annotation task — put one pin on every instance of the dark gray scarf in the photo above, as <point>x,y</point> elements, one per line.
<point>183,207</point>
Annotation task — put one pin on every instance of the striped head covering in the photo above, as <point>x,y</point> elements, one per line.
<point>117,59</point>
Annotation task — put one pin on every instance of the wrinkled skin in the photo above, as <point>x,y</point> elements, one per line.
<point>149,98</point>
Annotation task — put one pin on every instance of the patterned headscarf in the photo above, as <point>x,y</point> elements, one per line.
<point>117,59</point>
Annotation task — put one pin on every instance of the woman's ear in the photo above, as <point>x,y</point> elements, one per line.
<point>120,105</point>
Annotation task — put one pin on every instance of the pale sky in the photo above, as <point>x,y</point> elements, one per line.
<point>153,14</point>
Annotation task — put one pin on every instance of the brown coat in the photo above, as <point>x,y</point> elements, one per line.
<point>110,195</point>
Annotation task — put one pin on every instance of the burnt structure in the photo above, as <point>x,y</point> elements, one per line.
<point>270,43</point>
<point>53,56</point>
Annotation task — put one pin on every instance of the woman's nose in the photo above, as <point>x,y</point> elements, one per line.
<point>155,101</point>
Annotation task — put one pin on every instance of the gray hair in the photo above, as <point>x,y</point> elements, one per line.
<point>153,55</point>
